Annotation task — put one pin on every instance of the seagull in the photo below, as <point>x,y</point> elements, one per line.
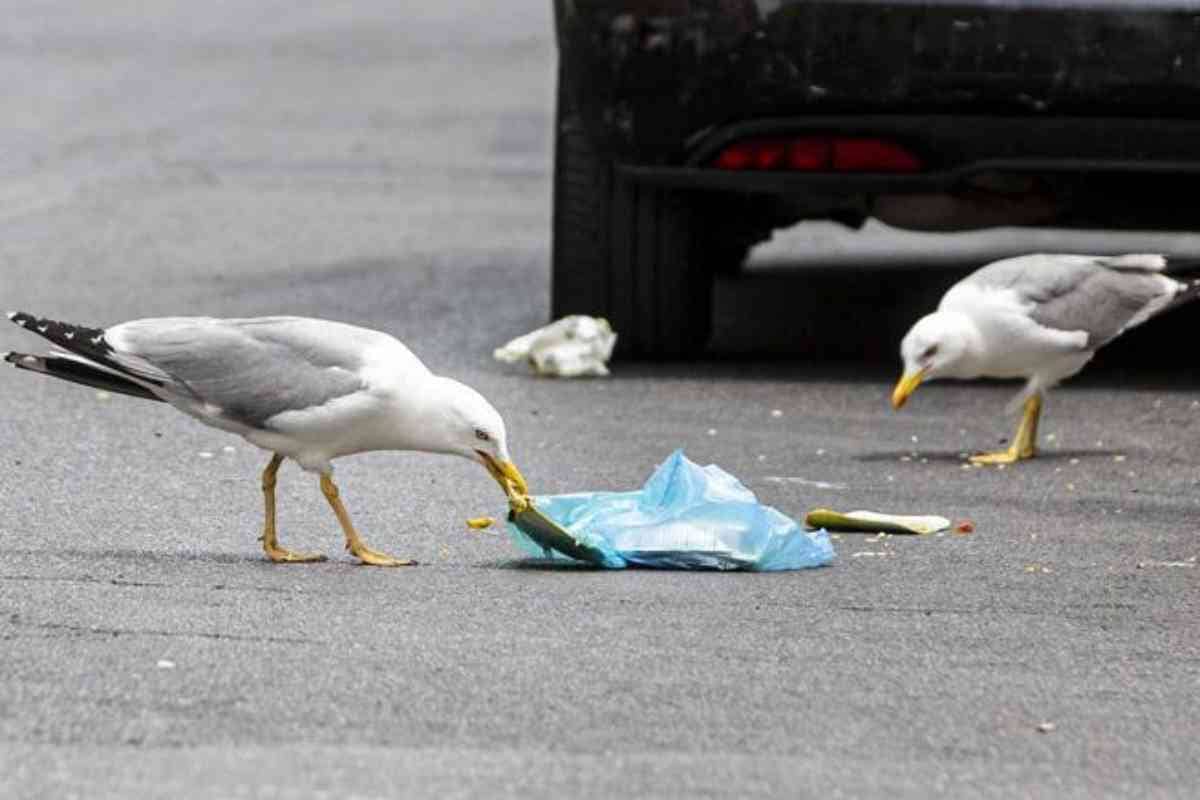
<point>1039,317</point>
<point>310,390</point>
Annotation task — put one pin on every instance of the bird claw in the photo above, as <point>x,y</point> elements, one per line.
<point>373,558</point>
<point>1010,456</point>
<point>279,555</point>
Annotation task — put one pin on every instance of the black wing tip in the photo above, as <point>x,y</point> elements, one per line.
<point>64,334</point>
<point>21,360</point>
<point>30,322</point>
<point>78,371</point>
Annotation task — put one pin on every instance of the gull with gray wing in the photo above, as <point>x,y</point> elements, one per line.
<point>306,389</point>
<point>1038,317</point>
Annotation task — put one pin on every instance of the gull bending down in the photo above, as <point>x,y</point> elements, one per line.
<point>306,389</point>
<point>1037,317</point>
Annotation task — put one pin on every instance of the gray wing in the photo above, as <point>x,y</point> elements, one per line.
<point>1101,296</point>
<point>251,369</point>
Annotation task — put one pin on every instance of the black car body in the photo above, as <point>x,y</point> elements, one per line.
<point>688,129</point>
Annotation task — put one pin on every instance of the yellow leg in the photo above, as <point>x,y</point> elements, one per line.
<point>1024,444</point>
<point>270,542</point>
<point>353,543</point>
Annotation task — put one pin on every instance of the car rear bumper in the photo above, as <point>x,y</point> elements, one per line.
<point>953,148</point>
<point>978,172</point>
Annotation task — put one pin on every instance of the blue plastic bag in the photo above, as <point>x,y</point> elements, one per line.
<point>685,517</point>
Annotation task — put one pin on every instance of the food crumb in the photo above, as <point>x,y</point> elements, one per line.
<point>479,523</point>
<point>964,526</point>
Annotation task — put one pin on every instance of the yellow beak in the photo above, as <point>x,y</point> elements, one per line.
<point>507,475</point>
<point>907,384</point>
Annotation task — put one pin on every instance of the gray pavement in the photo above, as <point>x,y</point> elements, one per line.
<point>361,163</point>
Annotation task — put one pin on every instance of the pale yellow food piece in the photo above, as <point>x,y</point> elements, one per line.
<point>874,522</point>
<point>479,523</point>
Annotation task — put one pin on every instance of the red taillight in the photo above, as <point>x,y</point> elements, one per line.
<point>818,154</point>
<point>872,155</point>
<point>753,154</point>
<point>809,154</point>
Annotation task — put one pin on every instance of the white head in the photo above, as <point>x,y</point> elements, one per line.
<point>469,426</point>
<point>938,346</point>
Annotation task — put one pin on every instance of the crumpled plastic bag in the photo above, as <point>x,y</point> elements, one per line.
<point>684,517</point>
<point>571,347</point>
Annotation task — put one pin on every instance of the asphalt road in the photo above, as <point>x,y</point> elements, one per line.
<point>358,163</point>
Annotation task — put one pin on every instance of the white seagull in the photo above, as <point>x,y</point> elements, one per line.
<point>1038,317</point>
<point>306,389</point>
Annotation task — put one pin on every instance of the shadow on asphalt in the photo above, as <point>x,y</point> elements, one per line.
<point>955,456</point>
<point>140,556</point>
<point>532,564</point>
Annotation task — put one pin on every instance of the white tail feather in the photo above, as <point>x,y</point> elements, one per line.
<point>1151,261</point>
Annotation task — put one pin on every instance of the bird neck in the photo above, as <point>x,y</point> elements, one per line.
<point>419,418</point>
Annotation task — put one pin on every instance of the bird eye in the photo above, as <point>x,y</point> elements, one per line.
<point>930,352</point>
<point>481,435</point>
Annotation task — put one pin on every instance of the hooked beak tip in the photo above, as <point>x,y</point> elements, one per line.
<point>907,384</point>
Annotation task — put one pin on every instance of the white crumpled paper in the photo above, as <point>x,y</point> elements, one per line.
<point>571,347</point>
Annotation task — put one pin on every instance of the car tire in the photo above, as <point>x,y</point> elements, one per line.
<point>643,257</point>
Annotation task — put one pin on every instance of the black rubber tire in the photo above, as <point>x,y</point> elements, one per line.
<point>628,252</point>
